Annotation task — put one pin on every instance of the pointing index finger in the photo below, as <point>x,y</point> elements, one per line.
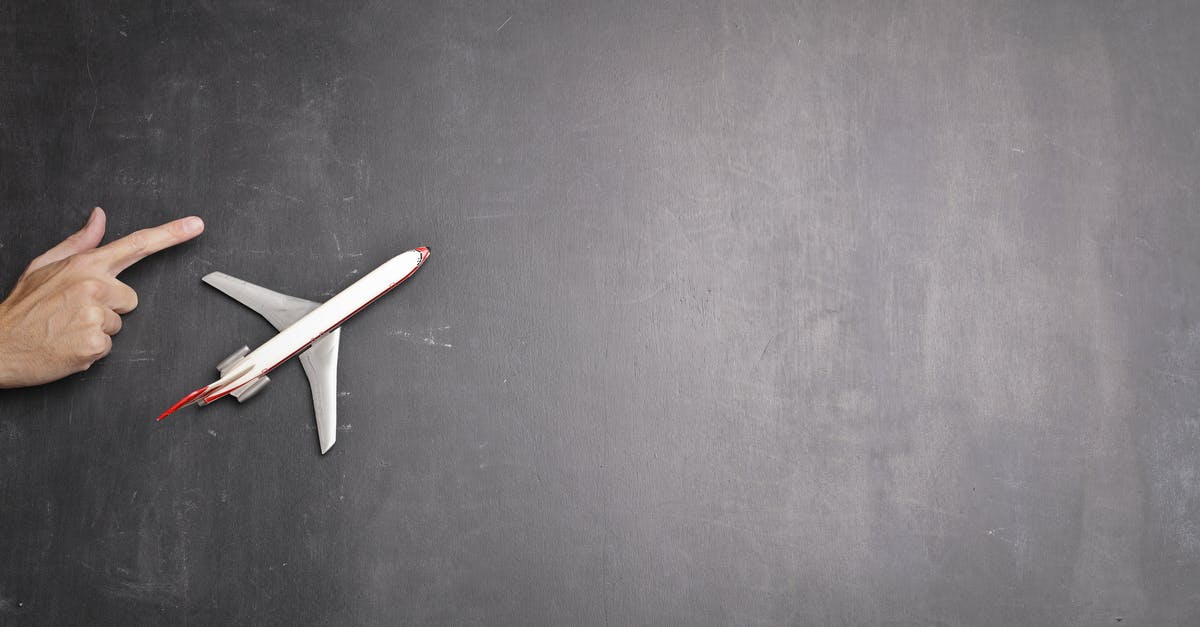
<point>132,248</point>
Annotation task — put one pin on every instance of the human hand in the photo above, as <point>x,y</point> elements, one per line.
<point>61,315</point>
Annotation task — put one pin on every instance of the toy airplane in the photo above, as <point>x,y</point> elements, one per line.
<point>302,325</point>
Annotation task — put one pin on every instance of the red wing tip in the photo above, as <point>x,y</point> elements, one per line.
<point>182,402</point>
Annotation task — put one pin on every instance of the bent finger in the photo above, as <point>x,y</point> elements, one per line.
<point>82,240</point>
<point>93,347</point>
<point>119,255</point>
<point>112,323</point>
<point>120,297</point>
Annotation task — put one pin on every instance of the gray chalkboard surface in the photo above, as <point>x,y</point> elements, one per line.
<point>738,313</point>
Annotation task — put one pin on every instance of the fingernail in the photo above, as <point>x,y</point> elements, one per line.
<point>92,216</point>
<point>192,225</point>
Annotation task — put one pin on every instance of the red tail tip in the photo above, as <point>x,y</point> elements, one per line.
<point>183,401</point>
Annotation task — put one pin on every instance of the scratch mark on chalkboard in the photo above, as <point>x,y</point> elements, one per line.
<point>192,265</point>
<point>345,278</point>
<point>95,377</point>
<point>925,506</point>
<point>1073,152</point>
<point>135,356</point>
<point>768,345</point>
<point>270,190</point>
<point>642,299</point>
<point>1175,377</point>
<point>505,23</point>
<point>140,590</point>
<point>95,93</point>
<point>494,216</point>
<point>995,533</point>
<point>428,339</point>
<point>338,244</point>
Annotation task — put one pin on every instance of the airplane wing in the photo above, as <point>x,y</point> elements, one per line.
<point>280,310</point>
<point>319,361</point>
<point>320,364</point>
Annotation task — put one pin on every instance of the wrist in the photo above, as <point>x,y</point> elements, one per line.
<point>10,366</point>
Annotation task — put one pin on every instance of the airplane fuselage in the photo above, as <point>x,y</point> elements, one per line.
<point>251,368</point>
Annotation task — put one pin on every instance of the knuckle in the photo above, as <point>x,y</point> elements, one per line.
<point>92,315</point>
<point>139,241</point>
<point>96,346</point>
<point>90,288</point>
<point>79,260</point>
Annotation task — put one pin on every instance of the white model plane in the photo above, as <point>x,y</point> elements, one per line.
<point>302,324</point>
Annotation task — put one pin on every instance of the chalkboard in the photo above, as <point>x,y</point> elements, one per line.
<point>743,313</point>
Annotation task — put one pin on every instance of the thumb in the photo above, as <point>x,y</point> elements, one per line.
<point>86,238</point>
